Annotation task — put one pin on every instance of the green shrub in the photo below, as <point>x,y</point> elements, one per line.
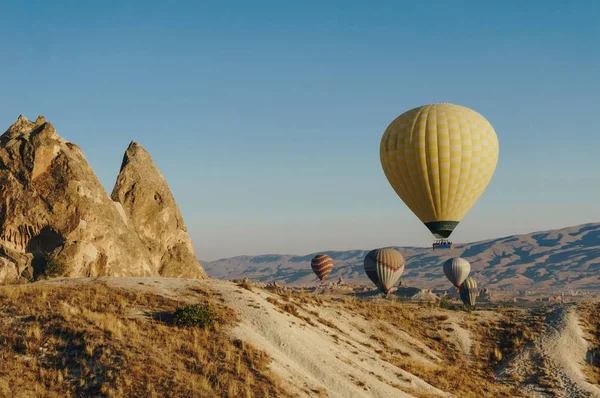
<point>447,304</point>
<point>195,315</point>
<point>54,268</point>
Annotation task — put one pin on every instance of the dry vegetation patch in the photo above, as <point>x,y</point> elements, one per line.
<point>456,373</point>
<point>246,284</point>
<point>502,338</point>
<point>92,340</point>
<point>466,376</point>
<point>590,319</point>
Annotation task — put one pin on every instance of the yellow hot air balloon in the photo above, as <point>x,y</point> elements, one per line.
<point>468,292</point>
<point>439,159</point>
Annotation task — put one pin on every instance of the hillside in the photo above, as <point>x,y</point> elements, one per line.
<point>114,337</point>
<point>567,258</point>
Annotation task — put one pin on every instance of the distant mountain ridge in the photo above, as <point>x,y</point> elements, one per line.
<point>567,258</point>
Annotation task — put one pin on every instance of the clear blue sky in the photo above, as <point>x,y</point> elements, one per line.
<point>265,116</point>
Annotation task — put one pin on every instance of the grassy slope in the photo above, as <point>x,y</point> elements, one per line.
<point>468,375</point>
<point>92,340</point>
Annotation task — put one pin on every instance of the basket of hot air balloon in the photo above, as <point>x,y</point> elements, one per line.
<point>439,159</point>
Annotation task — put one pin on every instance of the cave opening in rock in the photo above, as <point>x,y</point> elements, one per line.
<point>41,245</point>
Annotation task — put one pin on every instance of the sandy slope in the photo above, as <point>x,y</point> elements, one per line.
<point>461,336</point>
<point>318,360</point>
<point>557,357</point>
<point>309,359</point>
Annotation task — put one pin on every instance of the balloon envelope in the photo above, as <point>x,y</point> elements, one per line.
<point>468,291</point>
<point>322,265</point>
<point>456,270</point>
<point>384,267</point>
<point>439,159</point>
<point>370,266</point>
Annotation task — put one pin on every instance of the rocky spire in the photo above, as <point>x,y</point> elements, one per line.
<point>150,206</point>
<point>52,206</point>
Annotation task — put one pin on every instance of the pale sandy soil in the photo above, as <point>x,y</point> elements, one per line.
<point>557,356</point>
<point>317,360</point>
<point>309,359</point>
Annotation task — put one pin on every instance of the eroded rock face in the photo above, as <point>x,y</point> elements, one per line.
<point>148,203</point>
<point>53,206</point>
<point>485,295</point>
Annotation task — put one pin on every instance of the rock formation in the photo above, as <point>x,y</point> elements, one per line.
<point>149,205</point>
<point>426,295</point>
<point>53,208</point>
<point>485,295</point>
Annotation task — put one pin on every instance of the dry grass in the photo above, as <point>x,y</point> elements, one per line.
<point>317,392</point>
<point>498,341</point>
<point>291,308</point>
<point>590,318</point>
<point>246,284</point>
<point>455,374</point>
<point>92,340</point>
<point>495,339</point>
<point>498,334</point>
<point>468,376</point>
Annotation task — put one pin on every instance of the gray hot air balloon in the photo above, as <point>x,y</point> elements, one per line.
<point>371,267</point>
<point>457,270</point>
<point>384,267</point>
<point>468,292</point>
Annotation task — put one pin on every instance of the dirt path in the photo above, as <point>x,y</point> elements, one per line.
<point>315,359</point>
<point>551,367</point>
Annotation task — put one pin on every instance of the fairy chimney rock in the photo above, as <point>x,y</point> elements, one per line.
<point>150,206</point>
<point>52,206</point>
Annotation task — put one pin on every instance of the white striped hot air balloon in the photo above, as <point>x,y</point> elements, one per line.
<point>384,267</point>
<point>456,270</point>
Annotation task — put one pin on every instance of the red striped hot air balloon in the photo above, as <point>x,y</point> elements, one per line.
<point>322,265</point>
<point>384,267</point>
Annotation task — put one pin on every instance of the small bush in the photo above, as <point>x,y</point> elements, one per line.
<point>246,284</point>
<point>195,315</point>
<point>447,304</point>
<point>54,268</point>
